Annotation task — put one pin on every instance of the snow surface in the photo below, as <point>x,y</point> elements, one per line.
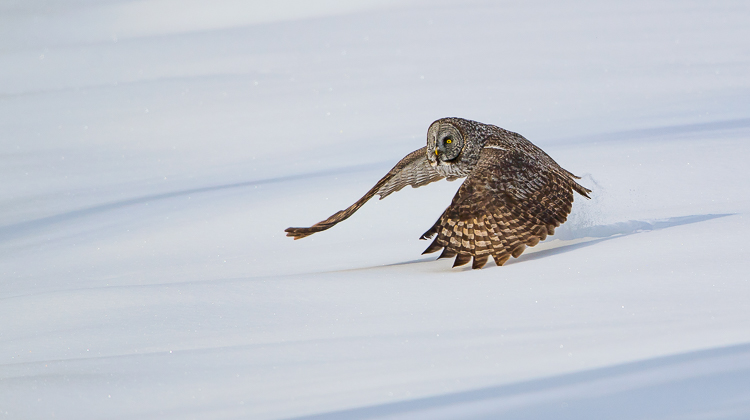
<point>153,152</point>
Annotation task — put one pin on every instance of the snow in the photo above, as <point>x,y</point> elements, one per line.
<point>153,152</point>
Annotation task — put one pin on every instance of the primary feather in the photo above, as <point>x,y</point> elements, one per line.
<point>515,194</point>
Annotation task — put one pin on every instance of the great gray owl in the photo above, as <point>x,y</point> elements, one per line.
<point>515,194</point>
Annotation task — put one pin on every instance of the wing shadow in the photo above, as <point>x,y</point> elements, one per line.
<point>603,233</point>
<point>595,235</point>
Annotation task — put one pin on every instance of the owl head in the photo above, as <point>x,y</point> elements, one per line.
<point>444,143</point>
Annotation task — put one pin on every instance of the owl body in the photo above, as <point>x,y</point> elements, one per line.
<point>514,195</point>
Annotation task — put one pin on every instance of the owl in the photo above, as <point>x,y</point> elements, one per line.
<point>514,194</point>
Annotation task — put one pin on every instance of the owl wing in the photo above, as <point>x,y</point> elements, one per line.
<point>414,170</point>
<point>510,200</point>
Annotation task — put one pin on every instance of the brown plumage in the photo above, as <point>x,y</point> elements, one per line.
<point>515,194</point>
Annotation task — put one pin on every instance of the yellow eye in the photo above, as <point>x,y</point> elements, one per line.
<point>449,141</point>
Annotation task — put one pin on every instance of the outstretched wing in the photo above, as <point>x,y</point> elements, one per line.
<point>510,200</point>
<point>414,170</point>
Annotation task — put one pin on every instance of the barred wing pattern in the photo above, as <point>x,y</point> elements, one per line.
<point>414,170</point>
<point>508,202</point>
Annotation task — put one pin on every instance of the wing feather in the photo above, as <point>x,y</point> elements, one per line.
<point>414,170</point>
<point>508,202</point>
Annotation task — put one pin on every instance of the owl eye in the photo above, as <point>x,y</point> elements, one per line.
<point>448,141</point>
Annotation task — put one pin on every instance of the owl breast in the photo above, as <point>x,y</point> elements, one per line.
<point>452,170</point>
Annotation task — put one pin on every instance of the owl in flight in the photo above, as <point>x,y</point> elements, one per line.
<point>514,194</point>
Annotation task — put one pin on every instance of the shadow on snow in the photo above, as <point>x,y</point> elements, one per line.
<point>704,384</point>
<point>597,234</point>
<point>19,229</point>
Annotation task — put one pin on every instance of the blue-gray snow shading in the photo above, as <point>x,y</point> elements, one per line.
<point>153,152</point>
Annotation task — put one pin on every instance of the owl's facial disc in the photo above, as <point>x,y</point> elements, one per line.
<point>448,143</point>
<point>444,143</point>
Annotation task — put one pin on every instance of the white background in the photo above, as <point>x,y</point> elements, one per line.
<point>152,153</point>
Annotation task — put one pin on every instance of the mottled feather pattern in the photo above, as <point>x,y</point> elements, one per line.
<point>412,170</point>
<point>515,194</point>
<point>507,203</point>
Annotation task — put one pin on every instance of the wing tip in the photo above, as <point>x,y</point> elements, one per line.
<point>580,189</point>
<point>447,253</point>
<point>461,259</point>
<point>501,259</point>
<point>479,262</point>
<point>518,250</point>
<point>298,233</point>
<point>434,247</point>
